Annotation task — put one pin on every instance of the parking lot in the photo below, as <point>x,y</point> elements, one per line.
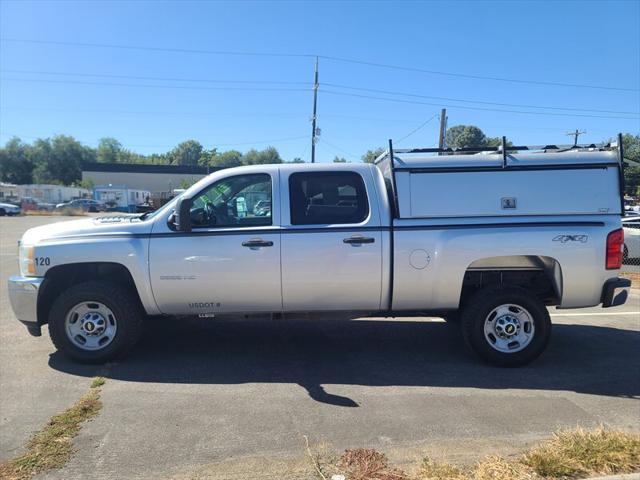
<point>200,393</point>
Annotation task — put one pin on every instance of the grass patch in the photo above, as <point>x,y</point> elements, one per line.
<point>432,470</point>
<point>570,454</point>
<point>97,382</point>
<point>582,453</point>
<point>499,468</point>
<point>368,464</point>
<point>52,447</point>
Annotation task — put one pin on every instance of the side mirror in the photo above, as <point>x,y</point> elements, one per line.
<point>182,216</point>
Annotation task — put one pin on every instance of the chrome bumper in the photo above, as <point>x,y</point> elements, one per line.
<point>23,295</point>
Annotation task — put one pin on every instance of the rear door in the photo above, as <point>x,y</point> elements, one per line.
<point>331,241</point>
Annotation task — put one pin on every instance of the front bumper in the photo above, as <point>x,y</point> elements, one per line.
<point>23,296</point>
<point>615,292</point>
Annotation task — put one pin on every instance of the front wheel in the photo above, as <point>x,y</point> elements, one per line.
<point>506,326</point>
<point>95,322</point>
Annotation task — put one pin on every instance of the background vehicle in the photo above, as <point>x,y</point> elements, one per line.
<point>492,239</point>
<point>30,203</point>
<point>263,208</point>
<point>9,209</point>
<point>84,204</point>
<point>631,226</point>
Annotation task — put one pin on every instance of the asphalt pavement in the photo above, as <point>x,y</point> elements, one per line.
<point>200,392</point>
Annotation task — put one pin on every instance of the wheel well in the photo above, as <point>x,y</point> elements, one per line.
<point>540,275</point>
<point>60,278</point>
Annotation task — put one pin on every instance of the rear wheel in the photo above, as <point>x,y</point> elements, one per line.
<point>95,322</point>
<point>506,326</point>
<point>2,212</point>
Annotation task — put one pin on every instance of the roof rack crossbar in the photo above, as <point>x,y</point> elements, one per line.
<point>499,148</point>
<point>502,148</point>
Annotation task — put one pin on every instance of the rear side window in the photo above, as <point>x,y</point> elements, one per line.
<point>327,197</point>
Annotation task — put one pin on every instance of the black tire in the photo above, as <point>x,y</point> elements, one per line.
<point>480,306</point>
<point>452,317</point>
<point>125,307</point>
<point>2,212</point>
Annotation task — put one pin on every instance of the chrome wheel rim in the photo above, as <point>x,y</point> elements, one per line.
<point>91,325</point>
<point>509,328</point>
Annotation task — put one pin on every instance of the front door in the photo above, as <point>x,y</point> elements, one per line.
<point>230,261</point>
<point>331,243</point>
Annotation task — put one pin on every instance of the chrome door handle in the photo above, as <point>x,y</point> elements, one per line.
<point>358,240</point>
<point>257,243</point>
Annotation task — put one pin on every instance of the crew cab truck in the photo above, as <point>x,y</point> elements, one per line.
<point>491,239</point>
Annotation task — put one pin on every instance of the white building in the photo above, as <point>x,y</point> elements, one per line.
<point>9,192</point>
<point>120,197</point>
<point>42,192</point>
<point>152,178</point>
<point>53,193</point>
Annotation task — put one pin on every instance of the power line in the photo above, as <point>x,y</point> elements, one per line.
<point>280,82</point>
<point>575,135</point>
<point>465,107</point>
<point>338,149</point>
<point>324,57</point>
<point>477,77</point>
<point>177,87</point>
<point>255,142</point>
<point>159,49</point>
<point>167,79</point>
<point>419,127</point>
<point>314,117</point>
<point>416,95</point>
<point>157,113</point>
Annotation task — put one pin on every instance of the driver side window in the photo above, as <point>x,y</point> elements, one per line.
<point>238,201</point>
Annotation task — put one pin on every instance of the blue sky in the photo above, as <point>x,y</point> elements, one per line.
<point>152,99</point>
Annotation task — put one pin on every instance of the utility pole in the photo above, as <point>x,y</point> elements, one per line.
<point>443,128</point>
<point>575,136</point>
<point>313,118</point>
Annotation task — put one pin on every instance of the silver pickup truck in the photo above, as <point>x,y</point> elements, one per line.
<point>487,239</point>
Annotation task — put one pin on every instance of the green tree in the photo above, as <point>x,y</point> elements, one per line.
<point>186,153</point>
<point>262,157</point>
<point>462,136</point>
<point>16,164</point>
<point>338,159</point>
<point>228,159</point>
<point>108,150</point>
<point>371,155</point>
<point>87,183</point>
<point>496,142</point>
<point>297,160</point>
<point>156,159</point>
<point>631,150</point>
<point>59,160</point>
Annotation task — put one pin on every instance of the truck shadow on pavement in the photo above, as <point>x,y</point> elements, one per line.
<point>312,353</point>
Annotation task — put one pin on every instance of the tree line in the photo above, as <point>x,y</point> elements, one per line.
<point>59,159</point>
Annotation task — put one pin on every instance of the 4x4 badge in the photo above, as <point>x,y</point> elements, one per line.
<point>571,238</point>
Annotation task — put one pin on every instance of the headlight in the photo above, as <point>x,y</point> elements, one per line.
<point>25,259</point>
